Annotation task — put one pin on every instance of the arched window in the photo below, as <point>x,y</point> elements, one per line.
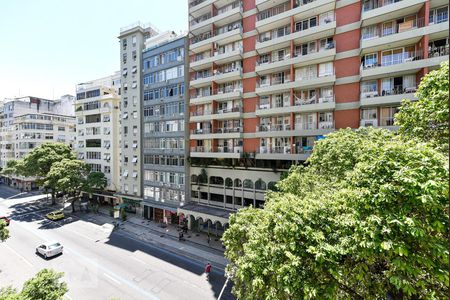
<point>216,180</point>
<point>271,186</point>
<point>248,184</point>
<point>194,179</point>
<point>260,185</point>
<point>237,182</point>
<point>106,104</point>
<point>228,182</point>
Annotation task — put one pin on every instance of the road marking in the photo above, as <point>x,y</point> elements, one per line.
<point>20,256</point>
<point>113,279</point>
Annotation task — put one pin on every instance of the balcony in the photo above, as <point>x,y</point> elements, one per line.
<point>314,128</point>
<point>228,14</point>
<point>409,32</point>
<point>218,58</point>
<point>274,65</point>
<point>203,42</point>
<point>315,33</point>
<point>280,15</point>
<point>223,94</point>
<point>314,81</point>
<point>382,10</point>
<point>219,152</point>
<point>220,114</point>
<point>219,133</point>
<point>314,58</point>
<point>403,64</point>
<point>369,123</point>
<point>275,86</point>
<point>388,123</point>
<point>282,153</point>
<point>218,76</point>
<point>200,7</point>
<point>392,97</point>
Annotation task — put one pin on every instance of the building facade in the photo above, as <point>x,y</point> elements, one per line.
<point>164,99</point>
<point>28,122</point>
<point>269,78</point>
<point>97,110</point>
<point>132,43</point>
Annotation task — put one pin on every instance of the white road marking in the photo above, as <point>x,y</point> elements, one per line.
<point>113,279</point>
<point>20,256</point>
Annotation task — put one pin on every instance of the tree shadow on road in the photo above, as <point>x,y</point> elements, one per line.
<point>216,281</point>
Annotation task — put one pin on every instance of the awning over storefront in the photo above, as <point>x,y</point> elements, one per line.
<point>120,206</point>
<point>160,206</point>
<point>131,201</point>
<point>205,212</point>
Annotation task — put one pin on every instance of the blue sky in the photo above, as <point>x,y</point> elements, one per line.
<point>48,46</point>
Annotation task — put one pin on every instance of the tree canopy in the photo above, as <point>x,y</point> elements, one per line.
<point>4,232</point>
<point>46,285</point>
<point>427,118</point>
<point>95,181</point>
<point>365,219</point>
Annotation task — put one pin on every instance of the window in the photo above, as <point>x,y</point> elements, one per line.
<point>326,69</point>
<point>369,114</point>
<point>369,88</point>
<point>370,60</point>
<point>369,32</point>
<point>61,128</point>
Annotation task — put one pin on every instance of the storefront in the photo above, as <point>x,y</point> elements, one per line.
<point>161,213</point>
<point>132,205</point>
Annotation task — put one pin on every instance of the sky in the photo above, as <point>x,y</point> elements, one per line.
<point>48,46</point>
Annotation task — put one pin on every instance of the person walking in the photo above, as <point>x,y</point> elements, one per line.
<point>209,239</point>
<point>208,268</point>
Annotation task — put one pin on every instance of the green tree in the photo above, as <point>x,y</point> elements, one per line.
<point>69,177</point>
<point>95,181</point>
<point>427,118</point>
<point>45,285</point>
<point>40,160</point>
<point>365,219</point>
<point>4,232</point>
<point>13,167</point>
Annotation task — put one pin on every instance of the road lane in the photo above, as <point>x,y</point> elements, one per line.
<point>95,261</point>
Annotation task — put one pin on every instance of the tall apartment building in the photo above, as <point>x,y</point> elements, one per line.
<point>269,78</point>
<point>97,109</point>
<point>132,43</point>
<point>28,122</point>
<point>164,160</point>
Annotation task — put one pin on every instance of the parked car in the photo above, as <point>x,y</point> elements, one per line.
<point>4,218</point>
<point>49,249</point>
<point>55,215</point>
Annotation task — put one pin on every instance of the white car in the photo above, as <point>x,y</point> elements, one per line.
<point>49,249</point>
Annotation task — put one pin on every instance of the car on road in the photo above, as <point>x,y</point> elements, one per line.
<point>55,215</point>
<point>49,249</point>
<point>5,219</point>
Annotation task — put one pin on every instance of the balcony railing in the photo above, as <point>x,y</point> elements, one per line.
<point>274,82</point>
<point>228,110</point>
<point>438,51</point>
<point>276,127</point>
<point>209,55</point>
<point>387,121</point>
<point>273,11</point>
<point>228,149</point>
<point>196,2</point>
<point>202,149</point>
<point>399,28</point>
<point>303,149</point>
<point>368,6</point>
<point>219,91</point>
<point>306,126</point>
<point>397,90</point>
<point>201,19</point>
<point>200,113</point>
<point>219,12</point>
<point>328,46</point>
<point>276,149</point>
<point>313,100</point>
<point>396,59</point>
<point>228,130</point>
<point>274,34</point>
<point>273,60</point>
<point>201,131</point>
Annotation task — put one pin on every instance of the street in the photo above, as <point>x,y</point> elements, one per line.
<point>97,263</point>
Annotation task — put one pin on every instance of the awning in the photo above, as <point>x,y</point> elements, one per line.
<point>131,201</point>
<point>121,205</point>
<point>206,213</point>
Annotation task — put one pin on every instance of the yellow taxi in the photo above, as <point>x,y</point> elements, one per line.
<point>55,215</point>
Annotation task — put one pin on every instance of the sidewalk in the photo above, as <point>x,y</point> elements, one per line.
<point>166,238</point>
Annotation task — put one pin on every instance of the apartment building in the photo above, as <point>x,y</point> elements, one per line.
<point>97,110</point>
<point>132,43</point>
<point>269,78</point>
<point>164,141</point>
<point>28,122</point>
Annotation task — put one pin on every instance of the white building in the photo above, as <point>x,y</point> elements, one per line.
<point>28,122</point>
<point>97,110</point>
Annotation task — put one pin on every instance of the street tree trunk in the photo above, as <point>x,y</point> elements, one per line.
<point>53,198</point>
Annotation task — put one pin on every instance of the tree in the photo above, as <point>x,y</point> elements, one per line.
<point>40,160</point>
<point>427,118</point>
<point>365,219</point>
<point>4,232</point>
<point>95,181</point>
<point>45,285</point>
<point>69,177</point>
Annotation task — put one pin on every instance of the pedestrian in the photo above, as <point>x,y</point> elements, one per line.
<point>208,268</point>
<point>209,239</point>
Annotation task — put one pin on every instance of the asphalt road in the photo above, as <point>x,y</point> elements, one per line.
<point>97,263</point>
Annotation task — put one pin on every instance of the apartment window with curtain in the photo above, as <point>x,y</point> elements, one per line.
<point>387,115</point>
<point>369,32</point>
<point>369,88</point>
<point>370,60</point>
<point>369,114</point>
